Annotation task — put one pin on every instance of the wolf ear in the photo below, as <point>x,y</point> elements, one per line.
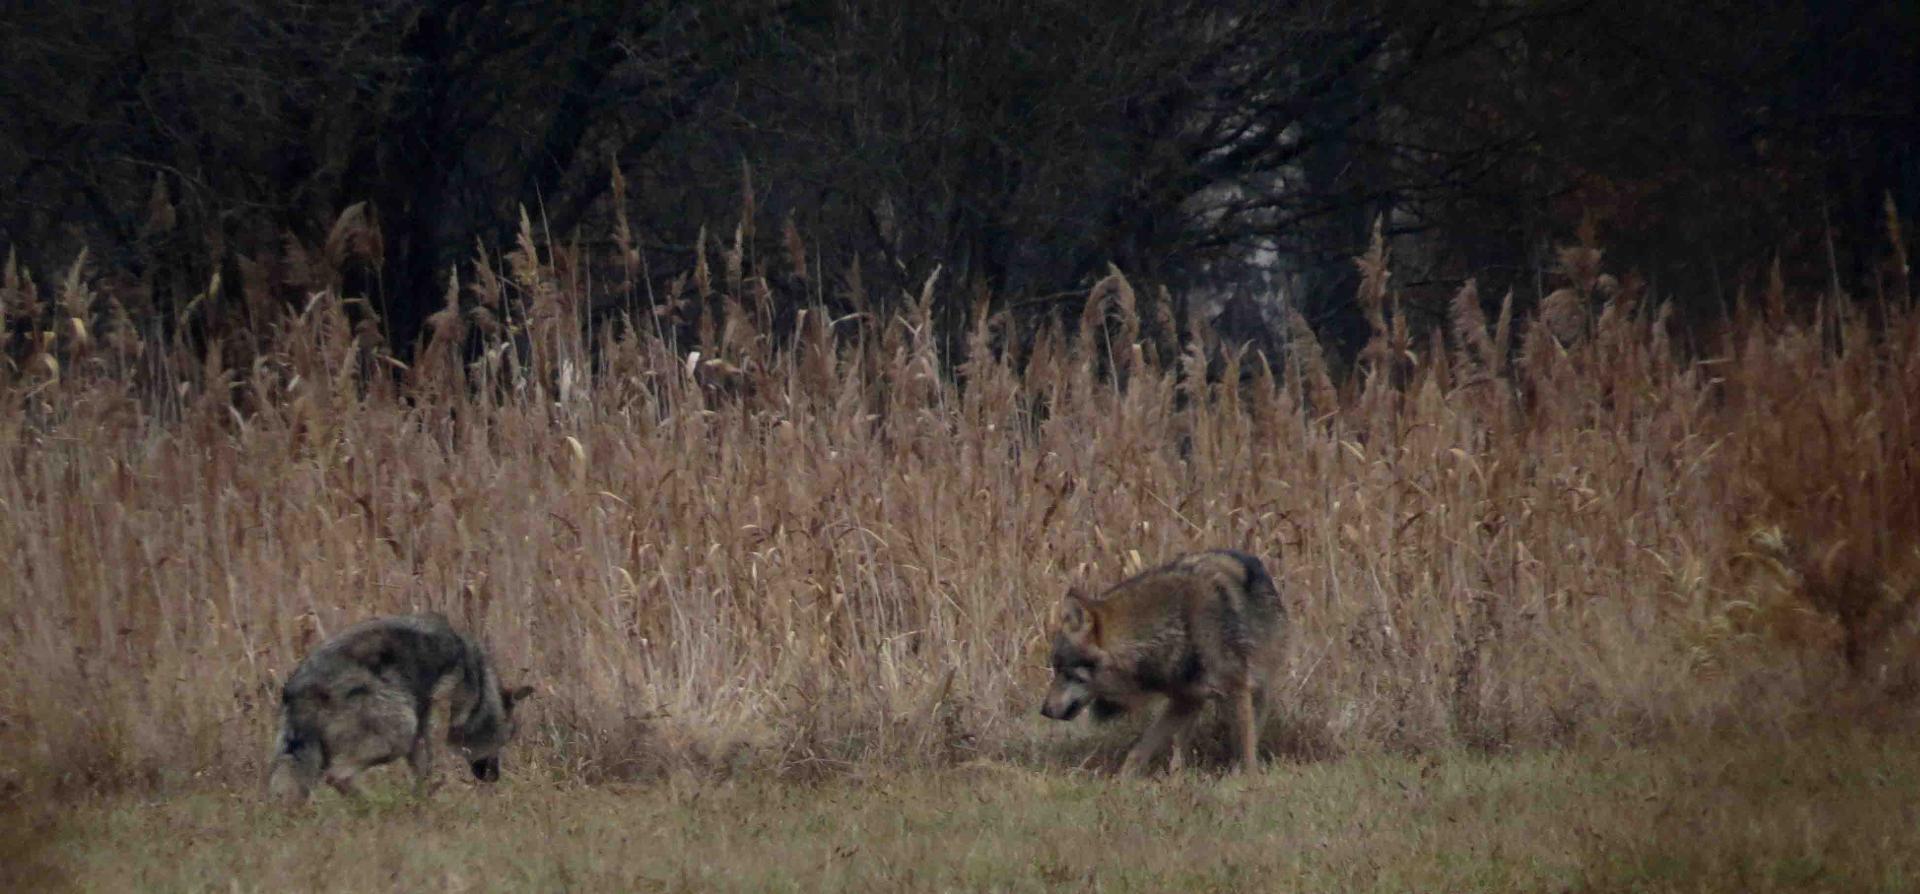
<point>1077,616</point>
<point>509,697</point>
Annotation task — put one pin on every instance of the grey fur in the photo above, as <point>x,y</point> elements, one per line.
<point>365,697</point>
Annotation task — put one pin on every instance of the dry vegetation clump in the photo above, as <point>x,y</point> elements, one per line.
<point>730,537</point>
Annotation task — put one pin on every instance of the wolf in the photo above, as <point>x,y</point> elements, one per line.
<point>364,698</point>
<point>1205,627</point>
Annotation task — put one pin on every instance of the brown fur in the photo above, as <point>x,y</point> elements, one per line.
<point>1205,627</point>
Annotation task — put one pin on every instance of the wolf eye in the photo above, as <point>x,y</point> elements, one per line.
<point>1080,673</point>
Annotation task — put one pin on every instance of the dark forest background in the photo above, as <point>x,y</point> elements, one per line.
<point>1236,150</point>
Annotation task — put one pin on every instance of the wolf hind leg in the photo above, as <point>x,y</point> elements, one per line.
<point>1246,724</point>
<point>1172,723</point>
<point>1264,709</point>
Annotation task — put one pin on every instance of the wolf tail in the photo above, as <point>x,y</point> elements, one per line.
<point>1261,590</point>
<point>298,759</point>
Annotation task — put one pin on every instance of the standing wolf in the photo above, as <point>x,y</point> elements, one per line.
<point>1206,626</point>
<point>364,698</point>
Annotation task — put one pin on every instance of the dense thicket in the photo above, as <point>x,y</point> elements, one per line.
<point>1220,148</point>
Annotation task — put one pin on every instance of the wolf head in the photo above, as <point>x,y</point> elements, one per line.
<point>487,731</point>
<point>1078,661</point>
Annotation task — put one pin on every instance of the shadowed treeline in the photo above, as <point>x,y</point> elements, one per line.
<point>1229,149</point>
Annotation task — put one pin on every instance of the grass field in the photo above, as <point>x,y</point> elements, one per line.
<point>1828,813</point>
<point>785,596</point>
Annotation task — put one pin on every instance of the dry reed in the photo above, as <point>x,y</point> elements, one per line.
<point>821,549</point>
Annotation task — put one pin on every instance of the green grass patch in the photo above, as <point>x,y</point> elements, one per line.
<point>1832,814</point>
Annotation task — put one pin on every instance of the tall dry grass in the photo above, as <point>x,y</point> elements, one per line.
<point>827,547</point>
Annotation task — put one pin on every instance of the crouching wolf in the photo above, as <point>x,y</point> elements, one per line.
<point>1207,626</point>
<point>364,698</point>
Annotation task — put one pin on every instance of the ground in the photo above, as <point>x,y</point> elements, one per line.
<point>1831,813</point>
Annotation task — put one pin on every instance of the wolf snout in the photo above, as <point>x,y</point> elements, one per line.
<point>1060,709</point>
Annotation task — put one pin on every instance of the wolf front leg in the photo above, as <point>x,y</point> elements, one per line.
<point>420,756</point>
<point>1172,722</point>
<point>289,781</point>
<point>1182,739</point>
<point>343,783</point>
